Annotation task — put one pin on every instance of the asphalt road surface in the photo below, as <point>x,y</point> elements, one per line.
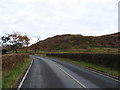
<point>53,73</point>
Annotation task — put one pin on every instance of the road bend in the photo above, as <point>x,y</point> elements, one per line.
<point>53,73</point>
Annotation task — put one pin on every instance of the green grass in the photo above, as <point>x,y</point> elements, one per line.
<point>105,50</point>
<point>97,50</point>
<point>11,78</point>
<point>102,69</point>
<point>85,50</point>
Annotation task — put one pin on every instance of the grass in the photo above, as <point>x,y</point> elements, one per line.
<point>97,50</point>
<point>11,77</point>
<point>102,69</point>
<point>105,50</point>
<point>85,50</point>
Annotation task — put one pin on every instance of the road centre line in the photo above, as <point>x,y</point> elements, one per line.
<point>72,77</point>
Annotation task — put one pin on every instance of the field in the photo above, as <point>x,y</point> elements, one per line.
<point>79,50</point>
<point>96,50</point>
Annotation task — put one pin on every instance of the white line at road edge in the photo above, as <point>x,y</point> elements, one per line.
<point>24,76</point>
<point>72,77</point>
<point>105,76</point>
<point>102,75</point>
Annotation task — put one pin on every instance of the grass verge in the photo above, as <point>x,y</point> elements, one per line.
<point>11,77</point>
<point>105,70</point>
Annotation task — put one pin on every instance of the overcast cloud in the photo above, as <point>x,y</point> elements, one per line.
<point>46,18</point>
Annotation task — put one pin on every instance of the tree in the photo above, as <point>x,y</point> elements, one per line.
<point>16,40</point>
<point>26,41</point>
<point>38,38</point>
<point>5,38</point>
<point>5,47</point>
<point>35,45</point>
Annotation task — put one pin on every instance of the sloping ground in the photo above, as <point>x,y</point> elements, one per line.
<point>73,41</point>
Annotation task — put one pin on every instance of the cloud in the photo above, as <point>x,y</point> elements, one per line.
<point>47,18</point>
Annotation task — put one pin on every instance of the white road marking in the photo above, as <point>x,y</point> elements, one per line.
<point>72,77</point>
<point>24,76</point>
<point>104,75</point>
<point>66,74</point>
<point>101,74</point>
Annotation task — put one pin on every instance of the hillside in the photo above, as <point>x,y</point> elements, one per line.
<point>76,41</point>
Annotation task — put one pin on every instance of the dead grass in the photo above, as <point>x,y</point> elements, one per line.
<point>10,61</point>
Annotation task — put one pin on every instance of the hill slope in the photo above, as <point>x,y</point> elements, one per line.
<point>73,41</point>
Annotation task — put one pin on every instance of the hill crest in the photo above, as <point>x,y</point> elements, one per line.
<point>76,41</point>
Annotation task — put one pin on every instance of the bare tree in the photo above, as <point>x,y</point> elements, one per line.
<point>35,46</point>
<point>38,38</point>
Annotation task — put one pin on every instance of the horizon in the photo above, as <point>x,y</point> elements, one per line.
<point>73,34</point>
<point>48,18</point>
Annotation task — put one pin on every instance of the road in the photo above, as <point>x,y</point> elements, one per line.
<point>53,73</point>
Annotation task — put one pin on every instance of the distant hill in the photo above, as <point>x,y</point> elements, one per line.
<point>76,41</point>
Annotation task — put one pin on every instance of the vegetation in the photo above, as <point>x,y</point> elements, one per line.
<point>99,53</point>
<point>14,41</point>
<point>11,77</point>
<point>108,43</point>
<point>85,50</point>
<point>10,61</point>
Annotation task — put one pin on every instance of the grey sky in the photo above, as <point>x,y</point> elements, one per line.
<point>46,18</point>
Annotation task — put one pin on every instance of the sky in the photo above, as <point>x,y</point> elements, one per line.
<point>47,18</point>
